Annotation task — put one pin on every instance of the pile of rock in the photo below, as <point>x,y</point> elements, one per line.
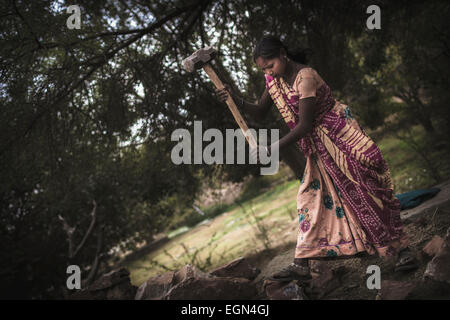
<point>437,273</point>
<point>231,281</point>
<point>436,278</point>
<point>115,285</point>
<point>324,281</point>
<point>239,280</point>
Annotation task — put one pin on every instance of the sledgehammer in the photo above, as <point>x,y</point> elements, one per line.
<point>200,59</point>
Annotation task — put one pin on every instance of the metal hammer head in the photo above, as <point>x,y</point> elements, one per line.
<point>198,59</point>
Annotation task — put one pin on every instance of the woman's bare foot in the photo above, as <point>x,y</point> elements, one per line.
<point>292,272</point>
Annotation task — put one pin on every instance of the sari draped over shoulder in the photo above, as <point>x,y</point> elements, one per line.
<point>345,201</point>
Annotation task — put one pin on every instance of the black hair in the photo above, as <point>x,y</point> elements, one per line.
<point>269,47</point>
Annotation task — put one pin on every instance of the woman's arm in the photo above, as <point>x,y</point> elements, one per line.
<point>306,115</point>
<point>255,110</point>
<point>260,109</point>
<point>306,108</point>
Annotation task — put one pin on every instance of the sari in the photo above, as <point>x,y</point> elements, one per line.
<point>345,202</point>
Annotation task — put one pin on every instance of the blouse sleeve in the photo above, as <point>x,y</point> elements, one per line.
<point>307,84</point>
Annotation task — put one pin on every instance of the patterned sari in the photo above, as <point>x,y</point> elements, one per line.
<point>345,202</point>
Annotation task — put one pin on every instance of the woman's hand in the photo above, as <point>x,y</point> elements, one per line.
<point>222,94</point>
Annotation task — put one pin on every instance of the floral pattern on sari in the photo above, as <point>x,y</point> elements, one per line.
<point>345,201</point>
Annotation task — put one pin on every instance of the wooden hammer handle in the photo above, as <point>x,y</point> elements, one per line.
<point>231,105</point>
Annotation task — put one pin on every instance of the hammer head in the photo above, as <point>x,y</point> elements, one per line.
<point>198,59</point>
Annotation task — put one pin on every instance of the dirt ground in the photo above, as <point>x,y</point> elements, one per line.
<point>430,222</point>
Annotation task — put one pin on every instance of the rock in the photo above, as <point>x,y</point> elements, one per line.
<point>352,286</point>
<point>212,289</point>
<point>440,200</point>
<point>239,268</point>
<point>276,290</point>
<point>156,287</point>
<point>115,285</point>
<point>324,280</point>
<point>433,246</point>
<point>190,283</point>
<point>187,272</point>
<point>395,290</point>
<point>275,265</point>
<point>438,269</point>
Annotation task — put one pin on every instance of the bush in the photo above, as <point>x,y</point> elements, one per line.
<point>253,188</point>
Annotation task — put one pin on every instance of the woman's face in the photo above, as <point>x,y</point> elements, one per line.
<point>273,67</point>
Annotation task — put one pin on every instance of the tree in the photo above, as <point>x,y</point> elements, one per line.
<point>71,100</point>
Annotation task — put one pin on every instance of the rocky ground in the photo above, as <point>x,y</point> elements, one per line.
<point>427,225</point>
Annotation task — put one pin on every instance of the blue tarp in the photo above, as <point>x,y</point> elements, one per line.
<point>413,198</point>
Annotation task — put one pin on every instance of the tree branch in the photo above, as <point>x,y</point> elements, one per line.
<point>26,23</point>
<point>100,63</point>
<point>95,265</point>
<point>91,227</point>
<point>70,231</point>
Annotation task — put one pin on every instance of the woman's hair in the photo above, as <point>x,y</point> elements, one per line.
<point>269,47</point>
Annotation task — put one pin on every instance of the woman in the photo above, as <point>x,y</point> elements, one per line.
<point>345,203</point>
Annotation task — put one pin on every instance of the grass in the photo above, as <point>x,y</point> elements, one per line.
<point>408,170</point>
<point>177,232</point>
<point>257,219</point>
<point>228,236</point>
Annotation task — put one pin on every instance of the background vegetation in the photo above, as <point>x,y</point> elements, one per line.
<point>87,114</point>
